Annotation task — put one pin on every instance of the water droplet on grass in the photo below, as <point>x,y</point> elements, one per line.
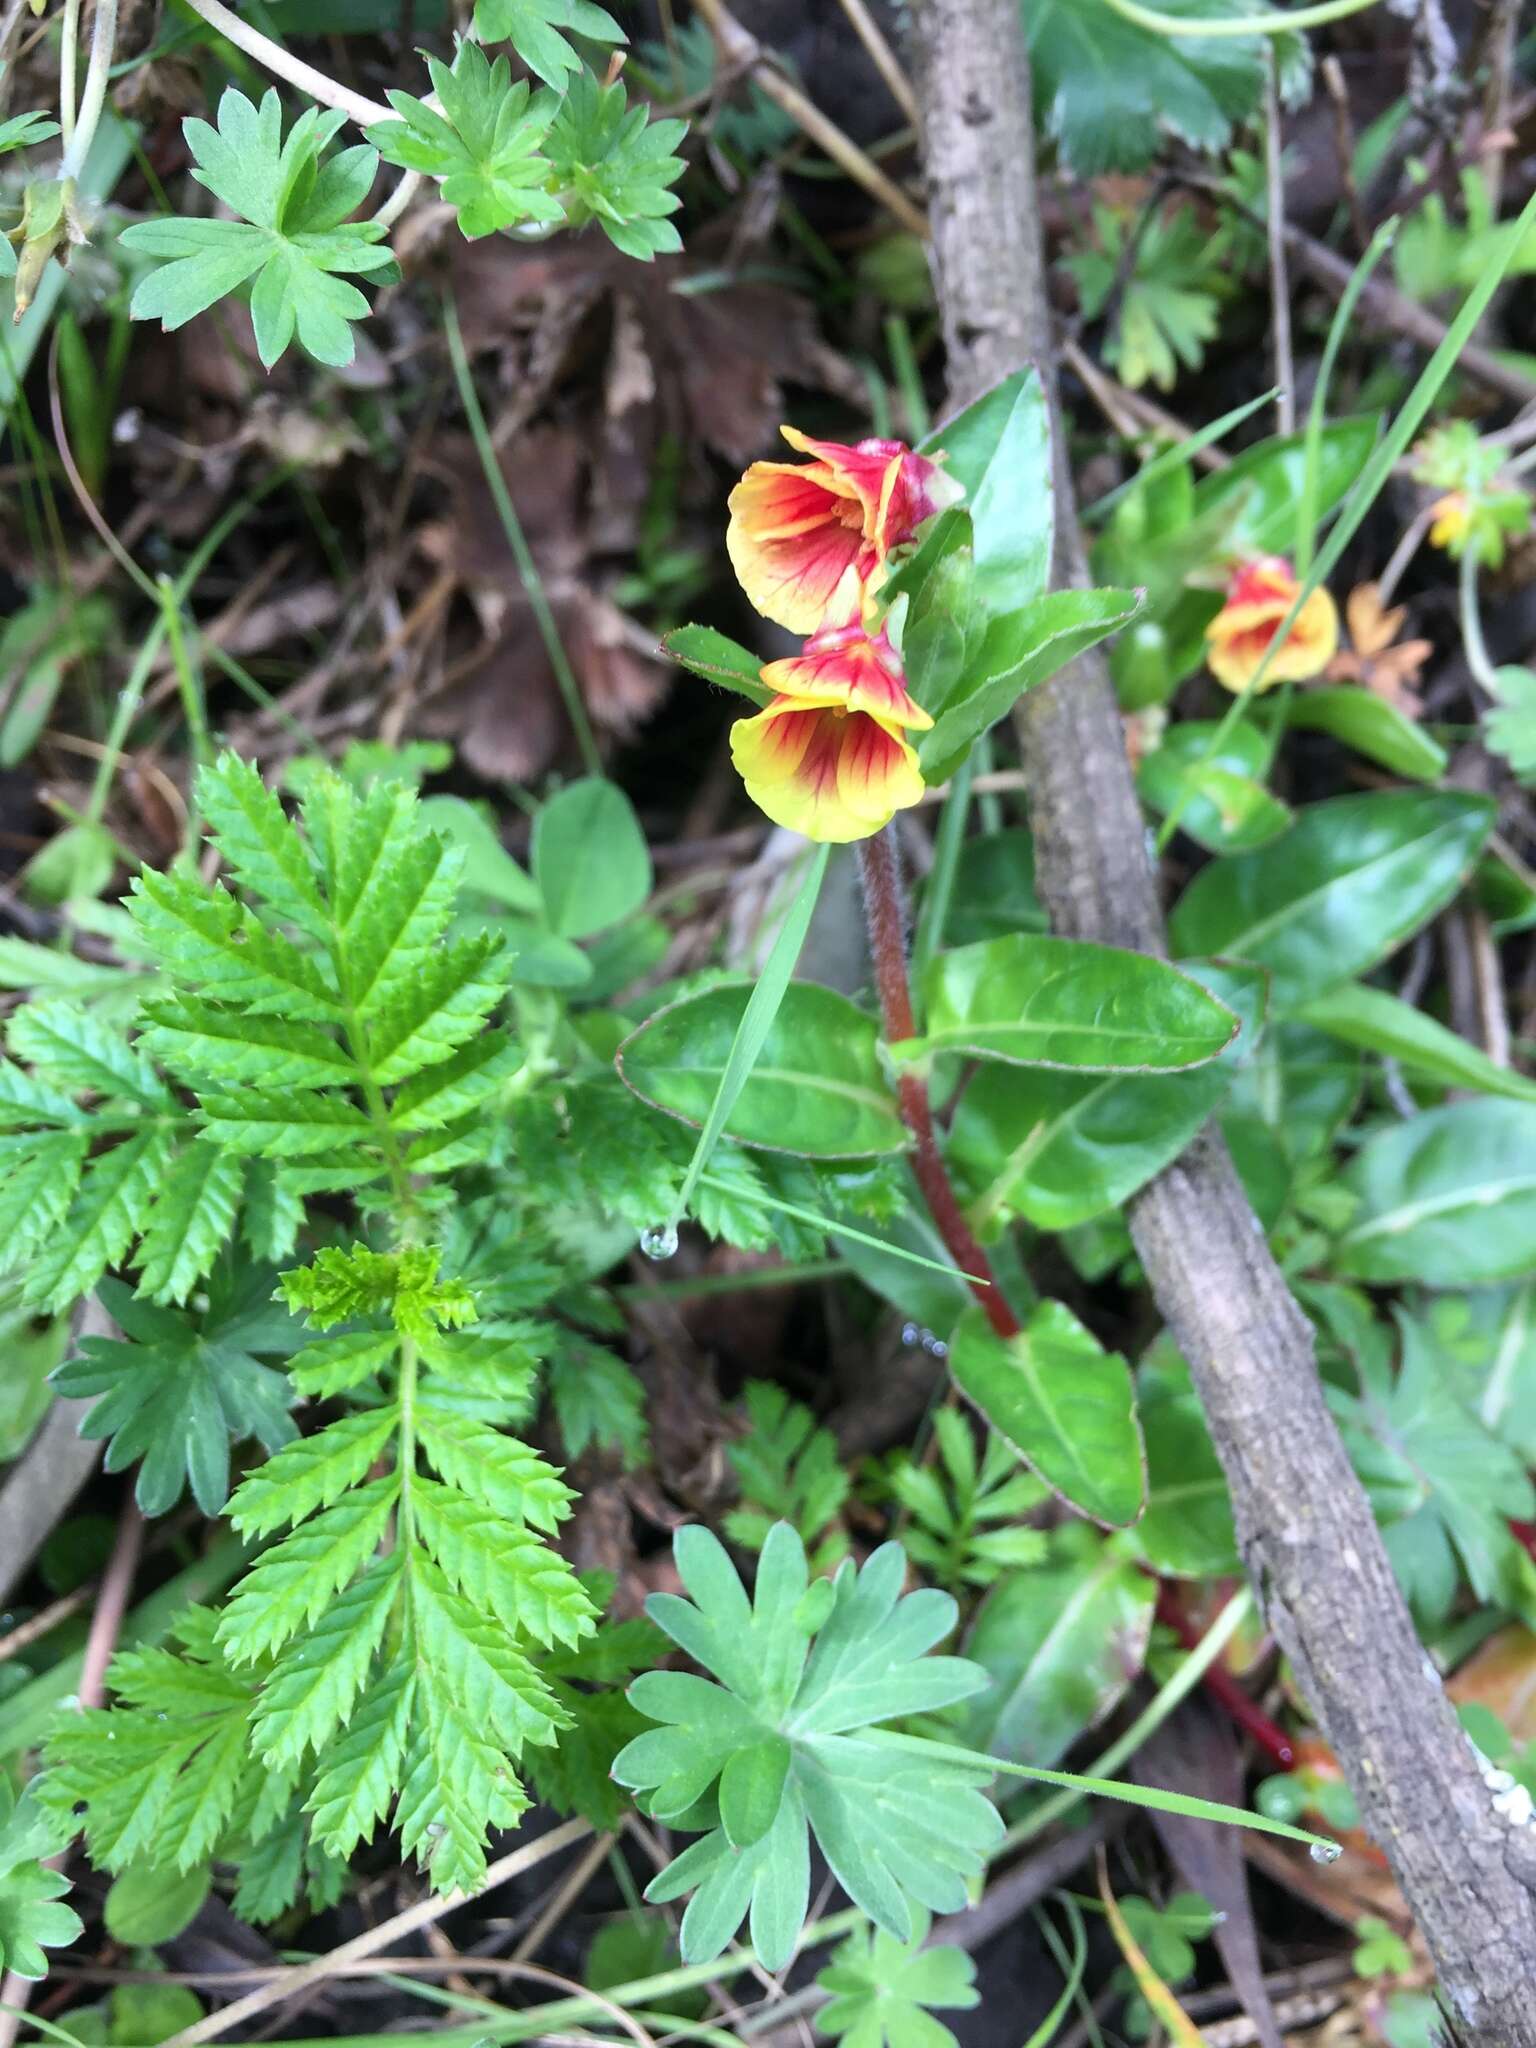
<point>659,1240</point>
<point>1327,1852</point>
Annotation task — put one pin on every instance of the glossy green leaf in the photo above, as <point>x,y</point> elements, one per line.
<point>968,442</point>
<point>1065,1404</point>
<point>1220,798</point>
<point>718,659</point>
<point>1371,726</point>
<point>590,858</point>
<point>1012,506</point>
<point>1044,1002</point>
<point>994,889</point>
<point>1263,483</point>
<point>489,870</point>
<point>1019,651</point>
<point>1187,1529</point>
<point>1062,1148</point>
<point>1448,1198</point>
<point>1061,1642</point>
<point>1298,1088</point>
<point>147,1904</point>
<point>1380,1022</point>
<point>817,1089</point>
<point>1352,879</point>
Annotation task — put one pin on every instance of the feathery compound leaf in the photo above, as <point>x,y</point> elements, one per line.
<point>177,1387</point>
<point>483,145</point>
<point>310,1691</point>
<point>312,1472</point>
<point>787,1740</point>
<point>294,1582</point>
<point>191,1220</point>
<point>364,1766</point>
<point>261,847</point>
<point>74,1046</point>
<point>502,1571</point>
<point>39,1173</point>
<point>447,1002</point>
<point>501,1474</point>
<point>291,240</point>
<point>616,165</point>
<point>203,936</point>
<point>116,1194</point>
<point>208,1044</point>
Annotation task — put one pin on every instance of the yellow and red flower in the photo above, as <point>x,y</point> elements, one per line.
<point>1259,595</point>
<point>828,757</point>
<point>797,528</point>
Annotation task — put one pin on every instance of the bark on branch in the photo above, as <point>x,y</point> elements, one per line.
<point>1310,1542</point>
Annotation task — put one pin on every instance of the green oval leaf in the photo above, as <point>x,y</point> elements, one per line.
<point>1346,885</point>
<point>1371,726</point>
<point>1379,1022</point>
<point>1065,1404</point>
<point>148,1903</point>
<point>1060,1149</point>
<point>590,858</point>
<point>1220,797</point>
<point>1061,1642</point>
<point>817,1088</point>
<point>1448,1198</point>
<point>1044,1002</point>
<point>719,659</point>
<point>1187,1529</point>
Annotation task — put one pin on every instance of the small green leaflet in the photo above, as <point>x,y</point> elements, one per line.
<point>615,164</point>
<point>882,1990</point>
<point>534,29</point>
<point>788,1742</point>
<point>291,240</point>
<point>483,145</point>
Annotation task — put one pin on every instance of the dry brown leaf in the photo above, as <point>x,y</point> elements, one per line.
<point>1376,657</point>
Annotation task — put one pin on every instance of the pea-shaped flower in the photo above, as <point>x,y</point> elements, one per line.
<point>797,528</point>
<point>828,756</point>
<point>1238,639</point>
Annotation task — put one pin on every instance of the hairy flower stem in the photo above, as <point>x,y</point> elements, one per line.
<point>885,910</point>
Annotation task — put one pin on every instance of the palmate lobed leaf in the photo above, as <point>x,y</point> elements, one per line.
<point>481,141</point>
<point>617,165</point>
<point>293,234</point>
<point>787,1741</point>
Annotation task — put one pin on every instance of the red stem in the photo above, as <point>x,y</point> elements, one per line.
<point>880,872</point>
<point>1224,1688</point>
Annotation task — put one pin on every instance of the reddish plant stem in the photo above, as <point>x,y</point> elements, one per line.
<point>880,872</point>
<point>1224,1688</point>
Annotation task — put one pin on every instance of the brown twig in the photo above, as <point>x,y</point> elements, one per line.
<point>742,52</point>
<point>882,56</point>
<point>1279,279</point>
<point>1344,149</point>
<point>1307,1534</point>
<point>288,1983</point>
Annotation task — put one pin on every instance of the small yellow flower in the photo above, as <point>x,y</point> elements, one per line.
<point>1453,520</point>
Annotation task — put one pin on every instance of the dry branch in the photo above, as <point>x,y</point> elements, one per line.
<point>1312,1548</point>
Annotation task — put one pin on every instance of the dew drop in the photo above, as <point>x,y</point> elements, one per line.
<point>1327,1852</point>
<point>911,1335</point>
<point>659,1240</point>
<point>437,1829</point>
